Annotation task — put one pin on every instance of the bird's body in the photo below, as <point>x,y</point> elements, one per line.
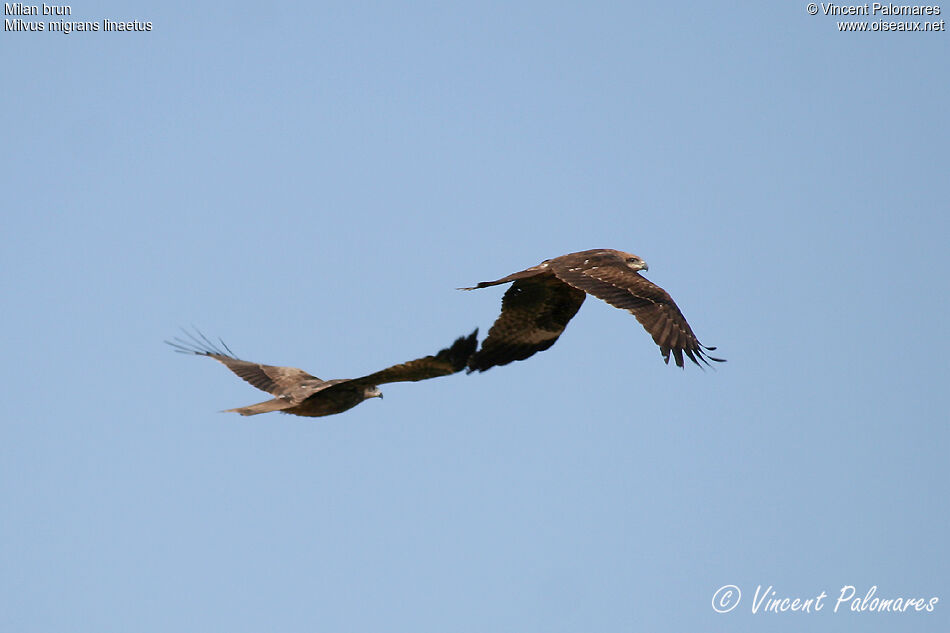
<point>542,300</point>
<point>299,393</point>
<point>316,400</point>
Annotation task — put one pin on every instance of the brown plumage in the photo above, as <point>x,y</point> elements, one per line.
<point>543,298</point>
<point>299,393</point>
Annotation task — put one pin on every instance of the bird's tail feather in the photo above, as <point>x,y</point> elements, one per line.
<point>262,407</point>
<point>530,272</point>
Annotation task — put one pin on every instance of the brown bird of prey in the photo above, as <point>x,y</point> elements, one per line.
<point>299,393</point>
<point>543,298</point>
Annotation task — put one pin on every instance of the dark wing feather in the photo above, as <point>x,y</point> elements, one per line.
<point>534,312</point>
<point>653,307</point>
<point>448,361</point>
<point>272,379</point>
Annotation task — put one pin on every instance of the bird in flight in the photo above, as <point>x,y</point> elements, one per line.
<point>543,299</point>
<point>299,393</point>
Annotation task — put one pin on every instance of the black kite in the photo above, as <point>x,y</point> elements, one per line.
<point>299,393</point>
<point>543,298</point>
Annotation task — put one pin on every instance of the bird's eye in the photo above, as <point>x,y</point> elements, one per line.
<point>631,260</point>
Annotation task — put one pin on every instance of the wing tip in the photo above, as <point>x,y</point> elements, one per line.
<point>462,350</point>
<point>199,344</point>
<point>702,353</point>
<point>697,355</point>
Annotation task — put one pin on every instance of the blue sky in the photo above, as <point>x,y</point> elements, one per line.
<point>311,182</point>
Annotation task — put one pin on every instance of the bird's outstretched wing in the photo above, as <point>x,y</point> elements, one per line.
<point>448,361</point>
<point>534,312</point>
<point>608,278</point>
<point>280,381</point>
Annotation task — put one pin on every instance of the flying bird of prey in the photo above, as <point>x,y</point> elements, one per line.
<point>543,298</point>
<point>299,393</point>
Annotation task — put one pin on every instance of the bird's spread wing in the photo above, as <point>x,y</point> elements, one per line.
<point>653,307</point>
<point>534,312</point>
<point>448,361</point>
<point>280,381</point>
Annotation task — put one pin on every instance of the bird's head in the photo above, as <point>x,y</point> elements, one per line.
<point>634,262</point>
<point>372,392</point>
